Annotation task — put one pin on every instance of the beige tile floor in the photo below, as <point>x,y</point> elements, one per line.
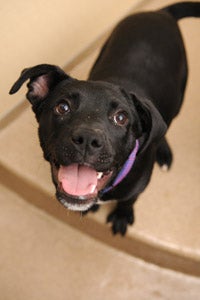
<point>43,258</point>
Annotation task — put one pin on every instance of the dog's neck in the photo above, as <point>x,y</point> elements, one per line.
<point>125,169</point>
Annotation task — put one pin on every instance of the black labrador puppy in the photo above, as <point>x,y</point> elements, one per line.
<point>102,136</point>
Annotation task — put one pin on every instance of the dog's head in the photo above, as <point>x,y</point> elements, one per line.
<point>87,130</point>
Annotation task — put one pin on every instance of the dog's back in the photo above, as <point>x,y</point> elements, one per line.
<point>146,55</point>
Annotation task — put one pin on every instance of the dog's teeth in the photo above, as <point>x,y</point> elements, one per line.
<point>99,175</point>
<point>93,188</point>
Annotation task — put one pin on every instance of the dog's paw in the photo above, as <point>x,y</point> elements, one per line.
<point>164,156</point>
<point>120,220</point>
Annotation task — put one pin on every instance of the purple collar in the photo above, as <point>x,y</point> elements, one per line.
<point>125,169</point>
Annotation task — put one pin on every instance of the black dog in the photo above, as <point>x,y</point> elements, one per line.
<point>102,136</point>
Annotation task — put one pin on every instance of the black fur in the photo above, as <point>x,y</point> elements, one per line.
<point>134,91</point>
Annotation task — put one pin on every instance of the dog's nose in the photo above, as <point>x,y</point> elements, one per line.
<point>88,139</point>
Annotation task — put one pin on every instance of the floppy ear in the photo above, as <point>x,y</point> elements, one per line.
<point>42,79</point>
<point>152,123</point>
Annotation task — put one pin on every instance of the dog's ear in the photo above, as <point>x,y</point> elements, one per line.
<point>152,123</point>
<point>43,78</point>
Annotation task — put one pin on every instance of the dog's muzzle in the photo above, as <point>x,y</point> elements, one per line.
<point>78,185</point>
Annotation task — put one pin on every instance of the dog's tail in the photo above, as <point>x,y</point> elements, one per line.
<point>183,9</point>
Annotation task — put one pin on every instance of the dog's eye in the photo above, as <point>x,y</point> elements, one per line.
<point>120,118</point>
<point>62,108</point>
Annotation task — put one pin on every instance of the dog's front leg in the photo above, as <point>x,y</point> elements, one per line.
<point>121,216</point>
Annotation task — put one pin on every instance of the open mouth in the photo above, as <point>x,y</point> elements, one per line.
<point>78,185</point>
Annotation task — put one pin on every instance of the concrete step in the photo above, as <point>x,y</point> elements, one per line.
<point>42,258</point>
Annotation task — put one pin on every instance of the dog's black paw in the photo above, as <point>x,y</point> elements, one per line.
<point>164,156</point>
<point>94,208</point>
<point>120,220</point>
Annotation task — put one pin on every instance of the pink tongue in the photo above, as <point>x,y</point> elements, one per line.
<point>78,180</point>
